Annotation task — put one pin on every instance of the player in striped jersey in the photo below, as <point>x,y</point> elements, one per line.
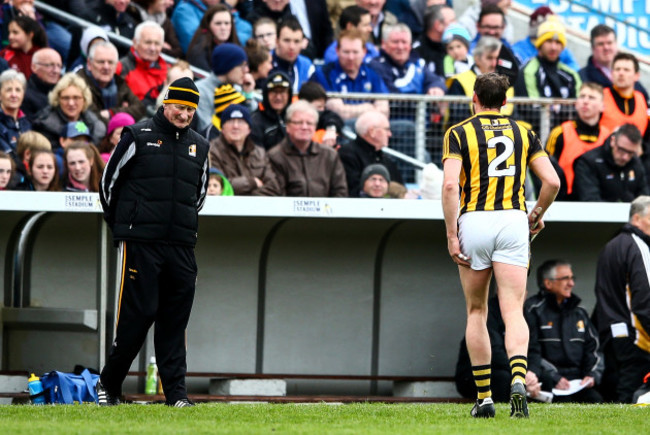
<point>485,160</point>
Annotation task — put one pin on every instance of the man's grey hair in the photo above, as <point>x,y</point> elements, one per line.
<point>368,120</point>
<point>399,27</point>
<point>147,25</point>
<point>640,206</point>
<point>485,45</point>
<point>11,75</point>
<point>102,43</point>
<point>301,106</point>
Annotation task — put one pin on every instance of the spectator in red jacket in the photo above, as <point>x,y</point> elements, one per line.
<point>25,37</point>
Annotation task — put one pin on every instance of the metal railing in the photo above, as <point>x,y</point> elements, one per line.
<point>419,122</point>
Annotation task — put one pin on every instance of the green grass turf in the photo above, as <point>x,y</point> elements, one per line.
<point>370,418</point>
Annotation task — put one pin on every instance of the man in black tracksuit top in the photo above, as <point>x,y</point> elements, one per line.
<point>152,190</point>
<point>612,172</point>
<point>567,338</point>
<point>622,312</point>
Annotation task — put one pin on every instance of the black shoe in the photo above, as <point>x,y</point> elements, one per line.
<point>483,410</point>
<point>182,403</point>
<point>518,403</point>
<point>104,398</point>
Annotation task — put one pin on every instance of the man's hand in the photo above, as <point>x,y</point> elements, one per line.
<point>453,244</point>
<point>588,382</point>
<point>562,384</point>
<point>533,387</point>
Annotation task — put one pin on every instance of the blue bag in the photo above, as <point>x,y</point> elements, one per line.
<point>69,388</point>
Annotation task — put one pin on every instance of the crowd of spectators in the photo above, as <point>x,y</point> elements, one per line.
<point>264,55</point>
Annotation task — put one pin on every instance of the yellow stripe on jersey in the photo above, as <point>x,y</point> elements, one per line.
<point>495,152</point>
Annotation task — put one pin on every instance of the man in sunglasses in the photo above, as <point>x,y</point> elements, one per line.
<point>567,338</point>
<point>612,172</point>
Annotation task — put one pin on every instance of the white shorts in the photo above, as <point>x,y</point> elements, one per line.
<point>499,235</point>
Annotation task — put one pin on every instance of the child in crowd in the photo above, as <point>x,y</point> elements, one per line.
<point>113,133</point>
<point>265,32</point>
<point>6,170</point>
<point>25,37</point>
<point>456,39</point>
<point>44,173</point>
<point>218,184</point>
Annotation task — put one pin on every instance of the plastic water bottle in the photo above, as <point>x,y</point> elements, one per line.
<point>35,387</point>
<point>151,385</point>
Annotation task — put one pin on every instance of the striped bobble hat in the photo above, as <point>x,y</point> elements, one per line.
<point>182,91</point>
<point>224,96</point>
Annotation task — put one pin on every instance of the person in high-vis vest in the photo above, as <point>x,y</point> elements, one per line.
<point>624,104</point>
<point>571,139</point>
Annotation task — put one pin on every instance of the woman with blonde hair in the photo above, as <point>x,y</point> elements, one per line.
<point>69,101</point>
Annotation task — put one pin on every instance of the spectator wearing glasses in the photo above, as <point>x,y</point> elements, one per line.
<point>69,102</point>
<point>612,172</point>
<point>491,22</point>
<point>265,31</point>
<point>46,72</point>
<point>304,167</point>
<point>110,93</point>
<point>471,17</point>
<point>567,338</point>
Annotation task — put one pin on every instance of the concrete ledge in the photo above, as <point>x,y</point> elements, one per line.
<point>11,384</point>
<point>59,319</point>
<point>425,389</point>
<point>248,387</point>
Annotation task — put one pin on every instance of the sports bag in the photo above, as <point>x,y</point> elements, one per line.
<point>68,388</point>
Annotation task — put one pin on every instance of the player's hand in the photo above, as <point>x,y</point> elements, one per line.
<point>588,382</point>
<point>562,384</point>
<point>535,221</point>
<point>453,244</point>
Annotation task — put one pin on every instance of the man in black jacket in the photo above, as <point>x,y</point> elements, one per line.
<point>567,338</point>
<point>622,312</point>
<point>268,126</point>
<point>612,172</point>
<point>152,189</point>
<point>373,134</point>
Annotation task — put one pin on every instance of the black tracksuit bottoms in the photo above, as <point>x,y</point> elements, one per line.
<point>157,287</point>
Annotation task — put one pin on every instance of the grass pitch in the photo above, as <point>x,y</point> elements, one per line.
<point>369,418</point>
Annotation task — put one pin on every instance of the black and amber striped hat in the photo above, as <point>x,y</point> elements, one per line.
<point>182,91</point>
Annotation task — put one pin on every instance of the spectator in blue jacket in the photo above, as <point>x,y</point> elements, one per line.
<point>525,49</point>
<point>188,14</point>
<point>354,17</point>
<point>287,57</point>
<point>350,74</point>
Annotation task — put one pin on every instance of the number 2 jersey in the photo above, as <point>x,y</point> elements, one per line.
<point>495,152</point>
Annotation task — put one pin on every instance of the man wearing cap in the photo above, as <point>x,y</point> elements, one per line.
<point>525,49</point>
<point>110,93</point>
<point>226,84</point>
<point>545,75</point>
<point>234,153</point>
<point>374,181</point>
<point>268,127</point>
<point>304,167</point>
<point>152,189</point>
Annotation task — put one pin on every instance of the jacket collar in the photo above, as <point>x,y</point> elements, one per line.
<point>162,123</point>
